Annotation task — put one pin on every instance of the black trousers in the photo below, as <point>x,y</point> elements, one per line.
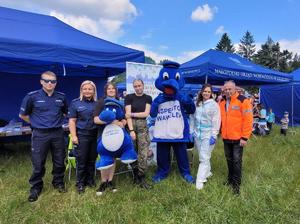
<point>283,131</point>
<point>269,125</point>
<point>86,154</point>
<point>234,153</point>
<point>42,141</point>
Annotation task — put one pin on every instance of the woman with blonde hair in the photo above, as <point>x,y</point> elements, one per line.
<point>84,134</point>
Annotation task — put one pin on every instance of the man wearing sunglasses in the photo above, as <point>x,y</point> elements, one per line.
<point>45,109</point>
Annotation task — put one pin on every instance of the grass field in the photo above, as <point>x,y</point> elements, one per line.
<point>270,191</point>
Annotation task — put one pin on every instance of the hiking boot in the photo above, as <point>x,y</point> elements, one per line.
<point>112,187</point>
<point>236,190</point>
<point>33,196</point>
<point>80,189</point>
<point>143,184</point>
<point>101,188</point>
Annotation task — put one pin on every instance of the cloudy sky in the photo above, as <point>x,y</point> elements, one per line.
<point>175,29</point>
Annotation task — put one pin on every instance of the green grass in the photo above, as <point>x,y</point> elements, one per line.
<point>270,191</point>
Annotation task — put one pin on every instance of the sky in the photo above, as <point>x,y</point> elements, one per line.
<point>177,30</point>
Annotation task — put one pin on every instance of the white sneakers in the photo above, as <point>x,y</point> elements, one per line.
<point>199,185</point>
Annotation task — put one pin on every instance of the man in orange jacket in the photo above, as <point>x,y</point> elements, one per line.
<point>237,119</point>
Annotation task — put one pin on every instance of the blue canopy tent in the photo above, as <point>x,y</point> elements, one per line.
<point>283,98</point>
<point>195,88</point>
<point>215,67</point>
<point>32,43</point>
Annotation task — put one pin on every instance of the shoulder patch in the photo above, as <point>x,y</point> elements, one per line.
<point>241,98</point>
<point>33,92</point>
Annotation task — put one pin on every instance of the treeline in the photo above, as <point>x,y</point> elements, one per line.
<point>269,55</point>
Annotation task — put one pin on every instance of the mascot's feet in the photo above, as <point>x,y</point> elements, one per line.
<point>158,178</point>
<point>104,162</point>
<point>128,157</point>
<point>189,178</point>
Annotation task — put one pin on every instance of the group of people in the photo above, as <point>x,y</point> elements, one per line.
<point>264,120</point>
<point>45,110</point>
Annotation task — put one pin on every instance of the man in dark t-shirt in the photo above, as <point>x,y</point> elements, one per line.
<point>137,107</point>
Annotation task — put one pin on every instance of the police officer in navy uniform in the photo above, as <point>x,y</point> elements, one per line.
<point>45,109</point>
<point>84,134</point>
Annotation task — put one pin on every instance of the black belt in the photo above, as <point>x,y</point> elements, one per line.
<point>87,131</point>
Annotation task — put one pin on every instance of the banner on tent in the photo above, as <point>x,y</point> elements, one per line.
<point>249,75</point>
<point>146,72</point>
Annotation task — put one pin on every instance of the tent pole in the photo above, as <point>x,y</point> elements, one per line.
<point>292,105</point>
<point>206,79</point>
<point>64,69</point>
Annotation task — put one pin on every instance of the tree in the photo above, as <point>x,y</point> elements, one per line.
<point>225,44</point>
<point>270,56</point>
<point>119,78</point>
<point>295,62</point>
<point>285,60</point>
<point>264,55</point>
<point>162,61</point>
<point>247,46</point>
<point>149,60</point>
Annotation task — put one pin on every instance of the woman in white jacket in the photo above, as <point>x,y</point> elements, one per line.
<point>205,125</point>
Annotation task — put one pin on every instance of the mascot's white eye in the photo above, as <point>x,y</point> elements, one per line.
<point>107,109</point>
<point>177,76</point>
<point>114,110</point>
<point>165,76</point>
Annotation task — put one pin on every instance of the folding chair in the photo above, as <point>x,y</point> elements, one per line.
<point>123,168</point>
<point>71,159</point>
<point>190,150</point>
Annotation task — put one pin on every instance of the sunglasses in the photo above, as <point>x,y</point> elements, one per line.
<point>49,81</point>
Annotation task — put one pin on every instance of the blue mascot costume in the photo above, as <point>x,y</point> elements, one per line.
<point>115,142</point>
<point>171,129</point>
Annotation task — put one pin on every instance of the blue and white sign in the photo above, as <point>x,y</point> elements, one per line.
<point>146,72</point>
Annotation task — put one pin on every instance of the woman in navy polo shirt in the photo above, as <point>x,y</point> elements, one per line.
<point>84,134</point>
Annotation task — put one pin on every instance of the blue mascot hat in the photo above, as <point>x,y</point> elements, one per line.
<point>113,110</point>
<point>169,81</point>
<point>112,101</point>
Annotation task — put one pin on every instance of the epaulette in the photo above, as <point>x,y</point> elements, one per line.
<point>241,98</point>
<point>76,99</point>
<point>60,93</point>
<point>33,92</point>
